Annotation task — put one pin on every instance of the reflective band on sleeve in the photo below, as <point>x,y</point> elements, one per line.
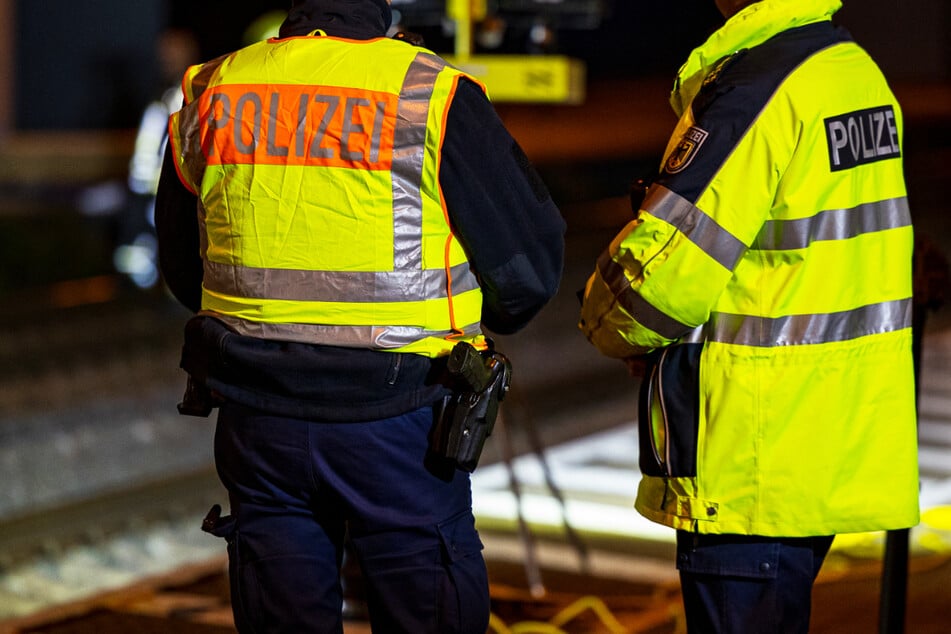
<point>722,246</point>
<point>645,313</point>
<point>614,275</point>
<point>334,286</point>
<point>834,224</point>
<point>793,330</point>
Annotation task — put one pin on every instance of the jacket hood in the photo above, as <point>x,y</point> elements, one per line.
<point>752,26</point>
<point>353,19</point>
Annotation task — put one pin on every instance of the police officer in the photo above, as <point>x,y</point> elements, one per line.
<point>765,291</point>
<point>135,253</point>
<point>341,209</point>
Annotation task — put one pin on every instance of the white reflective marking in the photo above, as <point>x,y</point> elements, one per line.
<point>596,474</point>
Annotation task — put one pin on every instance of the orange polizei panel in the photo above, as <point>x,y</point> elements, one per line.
<point>273,124</point>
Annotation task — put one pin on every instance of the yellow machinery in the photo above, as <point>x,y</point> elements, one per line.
<point>513,78</point>
<point>508,77</point>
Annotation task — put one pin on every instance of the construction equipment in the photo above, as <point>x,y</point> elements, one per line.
<point>537,74</point>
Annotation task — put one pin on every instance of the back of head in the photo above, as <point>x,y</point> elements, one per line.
<point>729,8</point>
<point>342,18</point>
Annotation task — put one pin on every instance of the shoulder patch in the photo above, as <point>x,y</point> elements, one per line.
<point>686,150</point>
<point>721,66</point>
<point>861,137</point>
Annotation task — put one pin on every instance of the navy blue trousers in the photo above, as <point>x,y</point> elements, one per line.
<point>741,584</point>
<point>297,488</point>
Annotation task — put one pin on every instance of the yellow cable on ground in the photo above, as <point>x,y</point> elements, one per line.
<point>562,618</point>
<point>594,604</point>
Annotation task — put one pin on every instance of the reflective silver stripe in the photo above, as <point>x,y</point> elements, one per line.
<point>334,286</point>
<point>697,335</point>
<point>721,245</point>
<point>186,142</point>
<point>409,149</point>
<point>406,172</point>
<point>386,337</point>
<point>200,80</point>
<point>189,124</point>
<point>834,224</point>
<point>202,233</point>
<point>645,313</point>
<point>799,330</point>
<point>614,275</point>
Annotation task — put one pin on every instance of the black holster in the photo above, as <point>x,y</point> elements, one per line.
<point>198,400</point>
<point>465,418</point>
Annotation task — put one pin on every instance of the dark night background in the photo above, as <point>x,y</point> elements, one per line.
<point>103,58</point>
<point>653,35</point>
<point>92,65</point>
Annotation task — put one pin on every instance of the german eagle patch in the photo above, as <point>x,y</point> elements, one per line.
<point>686,150</point>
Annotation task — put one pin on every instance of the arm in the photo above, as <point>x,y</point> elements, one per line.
<point>176,224</point>
<point>665,273</point>
<point>501,212</point>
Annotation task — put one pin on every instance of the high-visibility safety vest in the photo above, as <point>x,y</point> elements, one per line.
<point>316,162</point>
<point>769,271</point>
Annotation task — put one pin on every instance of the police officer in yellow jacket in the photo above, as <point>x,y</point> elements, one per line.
<point>764,289</point>
<point>341,209</point>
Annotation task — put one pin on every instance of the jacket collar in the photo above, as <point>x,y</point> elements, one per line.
<point>351,19</point>
<point>755,24</point>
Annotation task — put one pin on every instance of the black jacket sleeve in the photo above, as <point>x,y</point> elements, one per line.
<point>501,211</point>
<point>176,225</point>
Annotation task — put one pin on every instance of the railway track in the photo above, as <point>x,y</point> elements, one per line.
<point>111,541</point>
<point>103,481</point>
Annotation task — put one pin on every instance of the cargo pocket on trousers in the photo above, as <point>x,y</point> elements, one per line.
<point>465,591</point>
<point>727,556</point>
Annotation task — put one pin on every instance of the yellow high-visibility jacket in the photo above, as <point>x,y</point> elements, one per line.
<point>316,161</point>
<point>768,274</point>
